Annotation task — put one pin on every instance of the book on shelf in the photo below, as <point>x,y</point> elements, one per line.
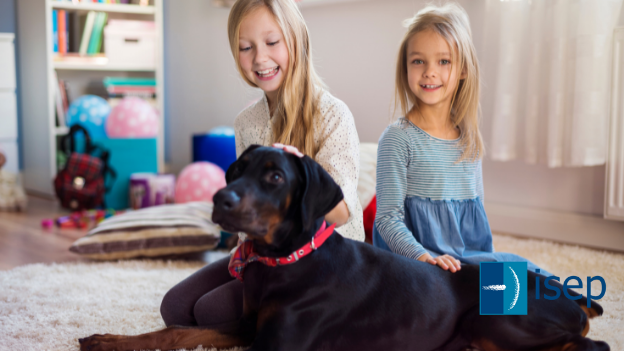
<point>86,34</point>
<point>128,81</point>
<point>74,20</point>
<point>95,42</point>
<point>61,101</point>
<point>55,30</point>
<point>62,31</point>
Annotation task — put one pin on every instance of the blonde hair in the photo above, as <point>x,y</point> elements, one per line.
<point>297,110</point>
<point>451,23</point>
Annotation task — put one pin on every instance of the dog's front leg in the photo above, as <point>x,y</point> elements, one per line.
<point>171,338</point>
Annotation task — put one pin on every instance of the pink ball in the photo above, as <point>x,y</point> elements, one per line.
<point>199,181</point>
<point>133,117</point>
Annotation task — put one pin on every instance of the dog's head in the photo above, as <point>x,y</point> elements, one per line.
<point>275,198</point>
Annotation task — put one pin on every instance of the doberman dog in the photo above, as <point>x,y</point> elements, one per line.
<point>347,295</point>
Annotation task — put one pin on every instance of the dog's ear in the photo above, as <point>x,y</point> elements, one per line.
<point>234,170</point>
<point>320,193</point>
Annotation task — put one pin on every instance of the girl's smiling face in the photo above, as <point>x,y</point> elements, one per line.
<point>263,54</point>
<point>430,73</point>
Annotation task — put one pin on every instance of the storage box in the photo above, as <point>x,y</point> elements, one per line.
<point>130,43</point>
<point>127,156</point>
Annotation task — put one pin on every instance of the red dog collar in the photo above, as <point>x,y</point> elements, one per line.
<point>245,253</point>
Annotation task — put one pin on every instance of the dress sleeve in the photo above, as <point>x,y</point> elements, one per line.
<point>393,159</point>
<point>339,153</point>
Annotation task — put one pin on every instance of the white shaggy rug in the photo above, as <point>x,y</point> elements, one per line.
<point>48,307</point>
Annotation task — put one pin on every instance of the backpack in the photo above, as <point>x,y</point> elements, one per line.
<point>80,184</point>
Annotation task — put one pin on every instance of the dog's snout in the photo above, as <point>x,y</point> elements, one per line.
<point>226,199</point>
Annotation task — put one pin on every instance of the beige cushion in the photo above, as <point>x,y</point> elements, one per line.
<point>154,231</point>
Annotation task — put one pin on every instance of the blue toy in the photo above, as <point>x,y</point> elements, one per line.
<point>89,111</point>
<point>218,147</point>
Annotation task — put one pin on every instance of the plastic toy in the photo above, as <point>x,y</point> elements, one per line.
<point>80,219</point>
<point>91,112</point>
<point>199,181</point>
<point>133,117</point>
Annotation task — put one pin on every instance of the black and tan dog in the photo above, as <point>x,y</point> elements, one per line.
<point>347,295</point>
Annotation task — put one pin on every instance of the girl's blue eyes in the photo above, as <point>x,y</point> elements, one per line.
<point>249,47</point>
<point>442,62</point>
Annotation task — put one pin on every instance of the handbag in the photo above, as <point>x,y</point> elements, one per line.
<point>80,185</point>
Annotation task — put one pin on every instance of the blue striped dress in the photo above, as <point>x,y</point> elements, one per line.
<point>427,202</point>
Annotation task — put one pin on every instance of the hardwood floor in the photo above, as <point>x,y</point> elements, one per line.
<point>24,241</point>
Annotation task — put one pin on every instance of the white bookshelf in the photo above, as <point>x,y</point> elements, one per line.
<point>39,65</point>
<point>8,103</point>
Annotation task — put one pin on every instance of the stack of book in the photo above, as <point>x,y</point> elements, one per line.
<point>73,32</point>
<point>119,87</point>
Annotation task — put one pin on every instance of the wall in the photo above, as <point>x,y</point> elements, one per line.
<point>7,16</point>
<point>354,47</point>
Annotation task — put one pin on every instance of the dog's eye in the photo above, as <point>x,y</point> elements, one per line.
<point>275,177</point>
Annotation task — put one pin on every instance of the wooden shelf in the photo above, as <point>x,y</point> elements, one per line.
<point>120,8</point>
<point>101,67</point>
<point>94,63</point>
<point>61,130</point>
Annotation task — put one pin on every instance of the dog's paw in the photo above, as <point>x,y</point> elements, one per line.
<point>99,342</point>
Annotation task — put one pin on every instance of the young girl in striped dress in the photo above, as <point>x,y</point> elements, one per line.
<point>429,179</point>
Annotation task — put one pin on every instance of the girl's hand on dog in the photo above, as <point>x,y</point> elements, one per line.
<point>445,262</point>
<point>288,148</point>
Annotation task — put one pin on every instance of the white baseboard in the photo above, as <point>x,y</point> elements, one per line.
<point>564,227</point>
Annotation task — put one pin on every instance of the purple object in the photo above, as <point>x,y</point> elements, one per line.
<point>148,189</point>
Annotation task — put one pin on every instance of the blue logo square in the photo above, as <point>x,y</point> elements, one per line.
<point>503,288</point>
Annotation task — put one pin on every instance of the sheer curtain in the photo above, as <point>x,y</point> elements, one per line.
<point>550,66</point>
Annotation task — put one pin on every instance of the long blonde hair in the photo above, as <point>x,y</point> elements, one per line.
<point>297,111</point>
<point>451,22</point>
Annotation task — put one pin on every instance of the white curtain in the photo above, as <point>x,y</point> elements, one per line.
<point>549,67</point>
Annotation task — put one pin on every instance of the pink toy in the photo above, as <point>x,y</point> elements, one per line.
<point>133,117</point>
<point>199,181</point>
<point>47,223</point>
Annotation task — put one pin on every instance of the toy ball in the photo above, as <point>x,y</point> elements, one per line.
<point>91,112</point>
<point>199,181</point>
<point>133,117</point>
